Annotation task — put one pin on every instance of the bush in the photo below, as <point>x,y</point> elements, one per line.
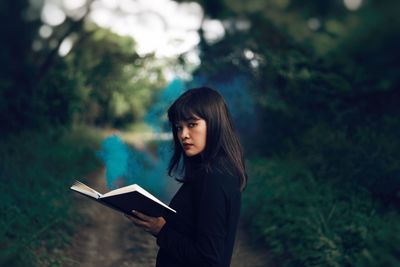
<point>310,223</point>
<point>36,218</point>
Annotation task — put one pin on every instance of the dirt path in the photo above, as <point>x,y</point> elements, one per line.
<point>248,253</point>
<point>108,239</point>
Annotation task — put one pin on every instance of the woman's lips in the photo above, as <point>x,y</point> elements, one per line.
<point>187,146</point>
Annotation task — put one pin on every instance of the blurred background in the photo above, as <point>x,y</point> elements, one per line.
<point>313,87</point>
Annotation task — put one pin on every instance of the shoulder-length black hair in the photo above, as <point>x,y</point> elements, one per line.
<point>221,139</point>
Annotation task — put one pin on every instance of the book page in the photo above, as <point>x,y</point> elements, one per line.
<point>122,190</point>
<point>84,189</point>
<point>132,188</point>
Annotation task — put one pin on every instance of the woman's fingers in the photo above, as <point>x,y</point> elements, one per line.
<point>142,216</point>
<point>152,225</point>
<point>137,221</point>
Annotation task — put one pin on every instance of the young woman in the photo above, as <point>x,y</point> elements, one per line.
<point>208,158</point>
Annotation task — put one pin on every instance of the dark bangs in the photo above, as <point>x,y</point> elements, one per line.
<point>185,108</point>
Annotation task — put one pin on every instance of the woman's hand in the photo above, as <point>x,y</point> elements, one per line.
<point>151,225</point>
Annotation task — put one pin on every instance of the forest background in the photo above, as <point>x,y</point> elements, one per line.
<point>314,89</point>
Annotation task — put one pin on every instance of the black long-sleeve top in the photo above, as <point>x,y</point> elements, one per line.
<point>202,233</point>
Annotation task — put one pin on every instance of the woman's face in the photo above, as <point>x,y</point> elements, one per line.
<point>192,135</point>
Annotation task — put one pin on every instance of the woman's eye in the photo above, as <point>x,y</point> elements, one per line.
<point>191,125</point>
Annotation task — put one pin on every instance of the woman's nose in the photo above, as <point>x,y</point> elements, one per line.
<point>184,133</point>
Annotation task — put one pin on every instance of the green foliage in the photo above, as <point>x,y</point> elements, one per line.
<point>58,98</point>
<point>17,65</point>
<point>36,216</point>
<point>364,156</point>
<point>118,85</point>
<point>102,80</point>
<point>315,223</point>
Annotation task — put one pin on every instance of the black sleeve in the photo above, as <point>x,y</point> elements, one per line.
<point>208,247</point>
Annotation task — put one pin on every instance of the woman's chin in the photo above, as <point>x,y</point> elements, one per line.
<point>190,153</point>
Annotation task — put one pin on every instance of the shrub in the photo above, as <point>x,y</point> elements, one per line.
<point>36,169</point>
<point>310,223</point>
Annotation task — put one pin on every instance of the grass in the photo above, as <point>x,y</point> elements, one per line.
<point>36,169</point>
<point>306,222</point>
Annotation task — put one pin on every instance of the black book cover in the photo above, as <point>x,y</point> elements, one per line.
<point>136,201</point>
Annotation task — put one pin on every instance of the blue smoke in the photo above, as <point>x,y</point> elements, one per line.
<point>146,166</point>
<point>240,103</point>
<point>127,165</point>
<point>115,155</point>
<point>156,116</point>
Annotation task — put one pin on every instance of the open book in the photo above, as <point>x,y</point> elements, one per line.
<point>126,199</point>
